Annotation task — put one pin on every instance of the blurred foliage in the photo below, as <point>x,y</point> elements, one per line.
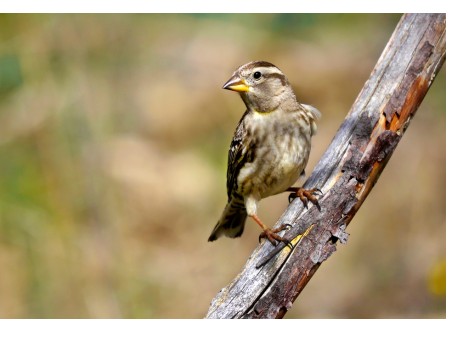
<point>10,74</point>
<point>114,135</point>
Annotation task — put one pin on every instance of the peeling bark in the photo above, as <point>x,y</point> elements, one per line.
<point>346,173</point>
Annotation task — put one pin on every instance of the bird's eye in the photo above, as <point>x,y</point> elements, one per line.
<point>256,75</point>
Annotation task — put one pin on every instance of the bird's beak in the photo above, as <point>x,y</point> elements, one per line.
<point>236,84</point>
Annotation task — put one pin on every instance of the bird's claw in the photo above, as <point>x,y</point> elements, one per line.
<point>306,195</point>
<point>291,197</point>
<point>274,238</point>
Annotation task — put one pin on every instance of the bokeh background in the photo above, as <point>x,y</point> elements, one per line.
<point>114,134</point>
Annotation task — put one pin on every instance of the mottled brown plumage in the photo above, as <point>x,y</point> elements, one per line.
<point>270,147</point>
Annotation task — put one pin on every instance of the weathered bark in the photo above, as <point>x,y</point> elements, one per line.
<point>346,173</point>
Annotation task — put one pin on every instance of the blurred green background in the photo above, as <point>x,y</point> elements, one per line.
<point>114,134</point>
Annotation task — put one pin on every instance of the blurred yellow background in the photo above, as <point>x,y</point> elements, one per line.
<point>114,132</point>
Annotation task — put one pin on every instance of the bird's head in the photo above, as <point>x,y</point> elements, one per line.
<point>262,86</point>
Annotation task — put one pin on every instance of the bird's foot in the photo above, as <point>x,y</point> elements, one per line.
<point>305,195</point>
<point>273,237</point>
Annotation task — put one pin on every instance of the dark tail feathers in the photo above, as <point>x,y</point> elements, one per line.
<point>231,223</point>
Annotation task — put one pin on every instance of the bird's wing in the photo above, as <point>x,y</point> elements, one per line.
<point>313,115</point>
<point>238,155</point>
<point>312,112</point>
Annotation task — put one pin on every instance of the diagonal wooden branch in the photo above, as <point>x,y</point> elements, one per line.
<point>346,173</point>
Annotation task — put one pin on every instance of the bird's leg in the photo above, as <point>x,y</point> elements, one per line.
<point>271,234</point>
<point>304,195</point>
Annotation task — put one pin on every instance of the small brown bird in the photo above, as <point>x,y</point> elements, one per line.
<point>269,150</point>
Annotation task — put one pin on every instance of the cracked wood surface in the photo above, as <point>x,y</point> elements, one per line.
<point>346,173</point>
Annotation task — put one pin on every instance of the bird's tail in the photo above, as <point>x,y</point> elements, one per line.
<point>231,223</point>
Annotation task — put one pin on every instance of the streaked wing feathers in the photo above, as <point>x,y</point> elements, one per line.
<point>238,155</point>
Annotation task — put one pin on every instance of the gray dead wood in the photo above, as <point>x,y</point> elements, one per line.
<point>346,172</point>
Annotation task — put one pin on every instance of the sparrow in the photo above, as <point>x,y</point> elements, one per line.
<point>269,150</point>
